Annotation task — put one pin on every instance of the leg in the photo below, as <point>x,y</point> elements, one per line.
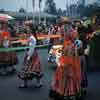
<point>38,82</point>
<point>24,85</point>
<point>4,70</point>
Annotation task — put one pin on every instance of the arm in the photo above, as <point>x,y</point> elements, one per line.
<point>32,45</point>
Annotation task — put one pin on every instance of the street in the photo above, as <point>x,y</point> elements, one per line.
<point>9,84</point>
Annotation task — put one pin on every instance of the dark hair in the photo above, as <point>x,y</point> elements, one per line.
<point>73,26</point>
<point>81,51</point>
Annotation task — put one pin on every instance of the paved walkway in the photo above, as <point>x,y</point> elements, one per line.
<point>9,90</point>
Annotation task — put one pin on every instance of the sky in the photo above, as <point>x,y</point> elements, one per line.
<point>15,5</point>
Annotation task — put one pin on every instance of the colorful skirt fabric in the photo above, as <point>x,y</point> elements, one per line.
<point>33,64</point>
<point>67,78</point>
<point>8,58</point>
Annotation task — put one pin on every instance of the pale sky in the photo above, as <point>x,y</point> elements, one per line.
<point>15,5</point>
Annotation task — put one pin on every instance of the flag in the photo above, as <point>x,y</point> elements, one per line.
<point>40,3</point>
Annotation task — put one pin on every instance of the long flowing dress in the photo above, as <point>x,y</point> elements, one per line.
<point>67,78</point>
<point>32,59</point>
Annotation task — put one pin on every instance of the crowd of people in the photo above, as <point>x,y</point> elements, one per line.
<point>70,78</point>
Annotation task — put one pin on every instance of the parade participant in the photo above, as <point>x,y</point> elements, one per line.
<point>4,31</point>
<point>5,35</point>
<point>10,58</point>
<point>74,32</point>
<point>32,64</point>
<point>82,34</point>
<point>51,40</point>
<point>66,81</point>
<point>84,81</point>
<point>89,32</point>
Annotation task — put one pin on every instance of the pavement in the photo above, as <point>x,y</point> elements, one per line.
<point>9,84</point>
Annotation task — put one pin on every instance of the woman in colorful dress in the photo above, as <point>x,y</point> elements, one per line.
<point>67,78</point>
<point>32,64</point>
<point>84,81</point>
<point>10,57</point>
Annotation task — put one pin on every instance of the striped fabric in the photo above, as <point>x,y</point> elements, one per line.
<point>67,77</point>
<point>33,64</point>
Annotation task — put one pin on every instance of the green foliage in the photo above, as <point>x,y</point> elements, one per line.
<point>61,12</point>
<point>81,9</point>
<point>95,48</point>
<point>89,10</point>
<point>50,7</point>
<point>2,11</point>
<point>22,10</point>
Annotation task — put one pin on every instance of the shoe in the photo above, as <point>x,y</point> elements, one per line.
<point>39,85</point>
<point>23,86</point>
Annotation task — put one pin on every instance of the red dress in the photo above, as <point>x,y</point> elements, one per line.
<point>67,78</point>
<point>33,64</point>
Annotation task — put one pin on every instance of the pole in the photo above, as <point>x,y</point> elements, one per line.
<point>67,8</point>
<point>27,9</point>
<point>39,15</point>
<point>39,11</point>
<point>33,5</point>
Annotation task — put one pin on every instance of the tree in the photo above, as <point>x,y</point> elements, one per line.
<point>73,10</point>
<point>64,12</point>
<point>80,9</point>
<point>50,7</point>
<point>22,10</point>
<point>2,10</point>
<point>89,10</point>
<point>59,12</point>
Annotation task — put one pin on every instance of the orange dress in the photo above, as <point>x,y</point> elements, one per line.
<point>67,78</point>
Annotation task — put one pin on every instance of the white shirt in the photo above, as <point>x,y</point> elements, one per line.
<point>32,44</point>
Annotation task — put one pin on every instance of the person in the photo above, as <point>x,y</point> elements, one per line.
<point>66,80</point>
<point>32,62</point>
<point>74,32</point>
<point>82,34</point>
<point>84,81</point>
<point>51,40</point>
<point>10,57</point>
